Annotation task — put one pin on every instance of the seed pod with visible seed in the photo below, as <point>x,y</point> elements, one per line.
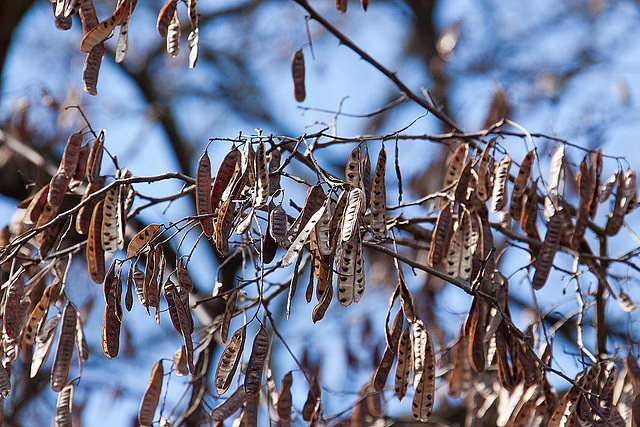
<point>278,223</point>
<point>499,196</point>
<point>64,407</point>
<point>350,222</point>
<point>229,361</point>
<point>110,221</point>
<point>301,238</point>
<point>403,366</point>
<point>454,167</point>
<point>224,224</point>
<point>253,375</point>
<point>141,239</point>
<point>424,384</point>
<point>315,199</point>
<point>151,396</point>
<point>297,72</point>
<point>64,353</point>
<point>379,198</point>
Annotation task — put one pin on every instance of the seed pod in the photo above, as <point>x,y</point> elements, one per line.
<point>285,401</point>
<point>301,238</point>
<point>425,382</point>
<point>454,167</point>
<point>64,353</point>
<point>274,165</point>
<point>169,289</point>
<point>460,250</point>
<point>151,396</point>
<point>229,361</point>
<point>548,252</point>
<point>180,361</point>
<point>111,326</point>
<point>499,196</point>
<point>57,188</point>
<point>173,35</point>
<point>587,190</point>
<point>36,206</point>
<point>315,199</point>
<point>64,407</point>
<point>278,223</point>
<point>12,311</point>
<point>313,400</point>
<point>192,43</point>
<point>483,189</point>
<point>262,173</point>
<point>91,68</point>
<point>229,406</point>
<point>297,72</point>
<point>165,16</point>
<point>341,6</point>
<point>403,366</point>
<point>39,312</point>
<point>102,31</point>
<point>83,220</point>
<point>203,192</point>
<point>358,272</point>
<point>224,225</point>
<point>184,278</point>
<point>95,253</point>
<point>81,166</point>
<point>441,236</point>
<point>379,199</point>
<point>323,302</point>
<point>352,169</point>
<point>253,375</point>
<point>350,222</point>
<point>44,342</point>
<point>223,177</point>
<point>95,158</point>
<point>81,341</point>
<point>110,221</point>
<point>346,258</point>
<point>71,154</point>
<point>141,239</point>
<point>384,367</point>
<point>228,314</point>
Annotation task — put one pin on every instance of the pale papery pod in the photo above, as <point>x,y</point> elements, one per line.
<point>44,342</point>
<point>550,246</point>
<point>81,342</point>
<point>459,378</point>
<point>441,236</point>
<point>229,360</point>
<point>229,406</point>
<point>248,165</point>
<point>419,346</point>
<point>626,303</point>
<point>224,225</point>
<point>403,365</point>
<point>36,206</point>
<point>460,250</point>
<point>285,400</point>
<point>262,172</point>
<point>297,245</point>
<point>358,272</point>
<point>379,198</point>
<point>274,165</point>
<point>193,47</point>
<point>352,169</point>
<point>278,223</point>
<point>314,200</point>
<point>606,189</point>
<point>99,33</point>
<point>230,308</point>
<point>5,382</point>
<point>298,75</point>
<point>180,361</point>
<point>94,251</point>
<point>323,230</point>
<point>123,37</point>
<point>151,396</point>
<point>64,352</point>
<point>351,219</point>
<point>141,239</point>
<point>556,182</point>
<point>255,366</point>
<point>425,383</point>
<point>173,35</point>
<point>110,221</point>
<point>499,196</point>
<point>125,196</point>
<point>455,165</point>
<point>64,407</point>
<point>165,16</point>
<point>38,313</point>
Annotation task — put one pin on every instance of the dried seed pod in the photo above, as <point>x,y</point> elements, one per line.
<point>524,175</point>
<point>262,173</point>
<point>358,272</point>
<point>141,239</point>
<point>71,154</point>
<point>184,278</point>
<point>44,342</point>
<point>203,193</point>
<point>229,360</point>
<point>484,188</point>
<point>180,361</point>
<point>81,166</point>
<point>91,69</point>
<point>441,236</point>
<point>460,250</point>
<point>83,220</point>
<point>228,314</point>
<point>346,259</point>
<point>37,205</point>
<point>384,367</point>
<point>94,162</point>
<point>278,223</point>
<point>548,252</point>
<point>315,199</point>
<point>301,238</point>
<point>379,198</point>
<point>297,72</point>
<point>229,406</point>
<point>110,221</point>
<point>253,375</point>
<point>57,188</point>
<point>192,43</point>
<point>323,231</point>
<point>151,396</point>
<point>403,366</point>
<point>285,400</point>
<point>424,381</point>
<point>313,400</point>
<point>454,167</point>
<point>224,225</point>
<point>350,222</point>
<point>173,35</point>
<point>95,253</point>
<point>169,290</point>
<point>500,196</point>
<point>64,353</point>
<point>102,31</point>
<point>556,182</point>
<point>37,315</point>
<point>587,190</point>
<point>352,169</point>
<point>223,177</point>
<point>64,407</point>
<point>81,341</point>
<point>274,165</point>
<point>111,325</point>
<point>12,311</point>
<point>323,302</point>
<point>165,16</point>
<point>341,6</point>
<point>269,248</point>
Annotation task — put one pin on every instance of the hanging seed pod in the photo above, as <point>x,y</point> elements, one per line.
<point>44,342</point>
<point>165,16</point>
<point>350,222</point>
<point>151,396</point>
<point>425,382</point>
<point>229,406</point>
<point>64,407</point>
<point>12,311</point>
<point>379,199</point>
<point>384,367</point>
<point>341,6</point>
<point>253,375</point>
<point>365,177</point>
<point>229,361</point>
<point>322,231</point>
<point>95,253</point>
<point>71,154</point>
<point>57,188</point>
<point>36,206</point>
<point>587,190</point>
<point>285,400</point>
<point>462,187</point>
<point>441,236</point>
<point>269,248</point>
<point>274,165</point>
<point>454,167</point>
<point>313,400</point>
<point>64,353</point>
<point>180,361</point>
<point>228,314</point>
<point>173,35</point>
<point>141,239</point>
<point>184,278</point>
<point>403,366</point>
<point>460,250</point>
<point>323,302</point>
<point>203,193</point>
<point>483,189</point>
<point>81,166</point>
<point>83,220</point>
<point>262,173</point>
<point>352,169</point>
<point>223,226</point>
<point>37,315</point>
<point>110,221</point>
<point>499,196</point>
<point>111,326</point>
<point>548,252</point>
<point>104,29</point>
<point>297,72</point>
<point>94,163</point>
<point>315,199</point>
<point>358,272</point>
<point>301,238</point>
<point>278,223</point>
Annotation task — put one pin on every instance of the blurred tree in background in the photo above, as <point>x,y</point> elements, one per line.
<point>553,84</point>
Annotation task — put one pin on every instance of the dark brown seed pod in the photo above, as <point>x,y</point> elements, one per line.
<point>83,220</point>
<point>228,314</point>
<point>224,224</point>
<point>297,72</point>
<point>285,401</point>
<point>111,326</point>
<point>253,375</point>
<point>548,252</point>
<point>262,174</point>
<point>71,154</point>
<point>36,206</point>
<point>203,193</point>
<point>81,166</point>
<point>12,311</point>
<point>441,236</point>
<point>223,177</point>
<point>313,400</point>
<point>274,165</point>
<point>95,253</point>
<point>229,360</point>
<point>94,163</point>
<point>403,366</point>
<point>229,406</point>
<point>57,188</point>
<point>151,396</point>
<point>64,353</point>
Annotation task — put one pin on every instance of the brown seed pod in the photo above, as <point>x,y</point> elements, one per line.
<point>301,238</point>
<point>95,253</point>
<point>111,326</point>
<point>37,315</point>
<point>94,163</point>
<point>285,400</point>
<point>110,221</point>
<point>358,272</point>
<point>203,193</point>
<point>44,342</point>
<point>224,224</point>
<point>425,382</point>
<point>297,72</point>
<point>262,173</point>
<point>341,6</point>
<point>313,400</point>
<point>253,374</point>
<point>151,396</point>
<point>141,239</point>
<point>441,236</point>
<point>37,205</point>
<point>278,223</point>
<point>71,154</point>
<point>223,177</point>
<point>57,188</point>
<point>12,311</point>
<point>274,165</point>
<point>460,250</point>
<point>165,16</point>
<point>346,260</point>
<point>500,196</point>
<point>454,167</point>
<point>99,33</point>
<point>64,353</point>
<point>83,220</point>
<point>352,168</point>
<point>384,367</point>
<point>229,406</point>
<point>180,361</point>
<point>323,302</point>
<point>81,166</point>
<point>548,252</point>
<point>403,366</point>
<point>91,69</point>
<point>229,360</point>
<point>587,190</point>
<point>228,314</point>
<point>64,407</point>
